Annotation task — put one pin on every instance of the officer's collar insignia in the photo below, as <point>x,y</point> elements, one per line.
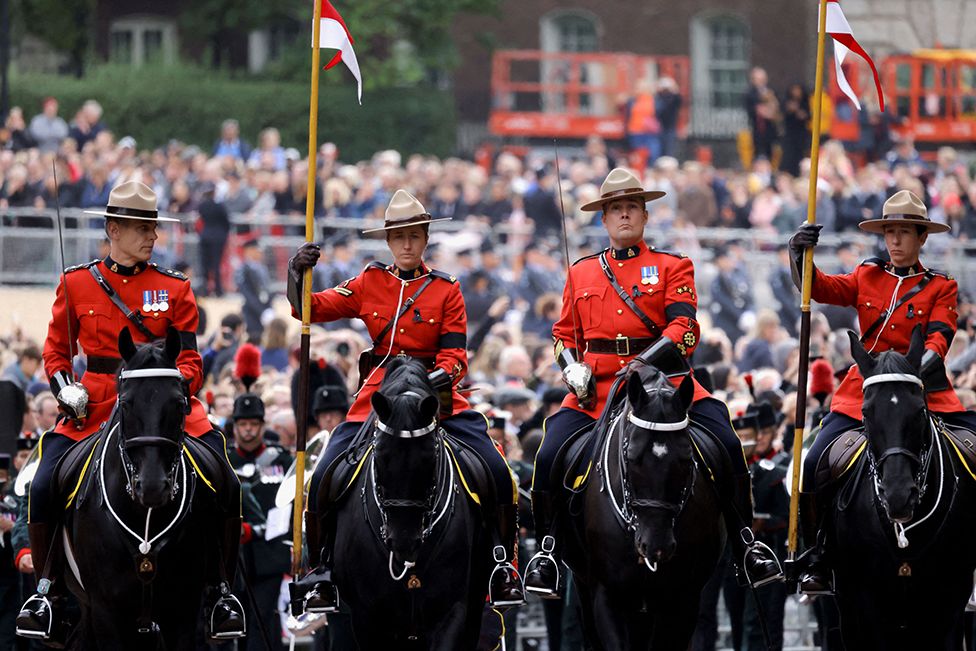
<point>155,300</point>
<point>904,272</point>
<point>625,254</point>
<point>408,274</point>
<point>650,275</point>
<point>123,270</point>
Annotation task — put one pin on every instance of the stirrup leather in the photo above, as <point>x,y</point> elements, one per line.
<point>237,607</point>
<point>34,634</point>
<point>749,538</point>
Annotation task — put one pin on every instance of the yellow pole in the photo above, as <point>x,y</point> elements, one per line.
<point>301,418</point>
<point>801,394</point>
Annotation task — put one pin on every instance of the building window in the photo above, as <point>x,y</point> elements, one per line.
<point>137,40</point>
<point>720,73</point>
<point>569,32</point>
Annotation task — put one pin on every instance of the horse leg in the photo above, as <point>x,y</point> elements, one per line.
<point>675,622</point>
<point>611,617</point>
<point>450,630</point>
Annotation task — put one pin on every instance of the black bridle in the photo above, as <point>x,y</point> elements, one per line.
<point>127,443</point>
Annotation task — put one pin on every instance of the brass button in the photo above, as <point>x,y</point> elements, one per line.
<point>401,331</point>
<point>91,312</point>
<point>621,362</point>
<point>155,315</point>
<point>374,314</point>
<point>586,293</point>
<point>431,320</point>
<point>892,326</point>
<point>619,335</point>
<point>620,311</point>
<point>868,303</point>
<point>125,281</point>
<point>620,264</point>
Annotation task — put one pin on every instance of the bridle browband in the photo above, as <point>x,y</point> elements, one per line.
<point>657,427</point>
<point>883,378</point>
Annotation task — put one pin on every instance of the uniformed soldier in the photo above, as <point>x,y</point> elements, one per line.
<point>409,309</point>
<point>261,467</point>
<point>330,404</point>
<point>94,302</point>
<point>891,299</point>
<point>628,301</point>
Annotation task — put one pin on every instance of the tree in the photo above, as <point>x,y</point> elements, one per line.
<point>66,25</point>
<point>217,22</point>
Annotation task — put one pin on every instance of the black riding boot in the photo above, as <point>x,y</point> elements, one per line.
<point>542,574</point>
<point>39,616</point>
<point>755,562</point>
<point>505,584</point>
<point>227,615</point>
<point>816,577</point>
<point>323,597</point>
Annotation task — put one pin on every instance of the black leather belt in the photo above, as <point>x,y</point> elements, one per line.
<point>621,346</point>
<point>107,365</point>
<point>374,360</point>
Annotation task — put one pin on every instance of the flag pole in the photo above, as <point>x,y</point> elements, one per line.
<point>301,418</point>
<point>807,289</point>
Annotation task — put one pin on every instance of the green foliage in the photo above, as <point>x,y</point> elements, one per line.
<point>155,104</point>
<point>64,24</point>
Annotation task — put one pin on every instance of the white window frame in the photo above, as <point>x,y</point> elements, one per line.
<point>707,119</point>
<point>137,26</point>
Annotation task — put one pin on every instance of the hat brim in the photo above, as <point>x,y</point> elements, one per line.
<point>876,226</point>
<point>158,218</point>
<point>405,225</point>
<point>597,206</point>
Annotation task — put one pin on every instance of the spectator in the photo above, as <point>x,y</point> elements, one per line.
<point>643,127</point>
<point>330,405</point>
<point>254,283</point>
<point>215,222</point>
<point>17,137</point>
<point>731,295</point>
<point>230,143</point>
<point>796,128</point>
<point>21,373</point>
<point>269,155</point>
<point>87,124</point>
<point>667,107</point>
<point>762,107</point>
<point>46,128</point>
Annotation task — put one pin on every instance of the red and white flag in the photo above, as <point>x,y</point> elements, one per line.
<point>844,42</point>
<point>334,34</point>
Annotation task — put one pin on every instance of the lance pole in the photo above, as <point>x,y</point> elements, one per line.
<point>807,289</point>
<point>301,418</point>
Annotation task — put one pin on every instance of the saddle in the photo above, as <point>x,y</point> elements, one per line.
<point>343,471</point>
<point>712,454</point>
<point>70,485</point>
<point>473,473</point>
<point>840,456</point>
<point>963,442</point>
<point>211,470</point>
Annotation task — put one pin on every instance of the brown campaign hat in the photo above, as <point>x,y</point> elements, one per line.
<point>903,208</point>
<point>620,184</point>
<point>404,210</point>
<point>132,200</point>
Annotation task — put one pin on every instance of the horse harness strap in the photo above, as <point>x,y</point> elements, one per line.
<point>113,296</point>
<point>871,329</point>
<point>652,327</point>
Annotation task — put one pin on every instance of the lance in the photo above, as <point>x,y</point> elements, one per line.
<point>301,418</point>
<point>807,289</point>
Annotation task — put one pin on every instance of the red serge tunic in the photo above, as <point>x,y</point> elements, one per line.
<point>662,284</point>
<point>435,326</point>
<point>874,288</point>
<point>163,298</point>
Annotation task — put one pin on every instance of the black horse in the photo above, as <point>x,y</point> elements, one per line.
<point>901,533</point>
<point>411,550</point>
<point>651,531</point>
<point>137,535</point>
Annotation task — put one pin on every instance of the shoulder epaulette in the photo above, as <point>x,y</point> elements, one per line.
<point>675,254</point>
<point>375,264</point>
<point>592,255</point>
<point>436,273</point>
<point>942,274</point>
<point>172,273</point>
<point>877,262</point>
<point>78,267</point>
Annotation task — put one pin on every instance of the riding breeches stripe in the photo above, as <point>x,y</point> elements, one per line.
<point>962,458</point>
<point>359,467</point>
<point>199,471</point>
<point>81,475</point>
<point>464,482</point>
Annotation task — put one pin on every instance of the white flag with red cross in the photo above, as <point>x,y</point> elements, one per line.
<point>844,42</point>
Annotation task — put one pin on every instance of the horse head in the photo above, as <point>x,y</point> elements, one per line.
<point>153,405</point>
<point>657,464</point>
<point>895,422</point>
<point>406,453</point>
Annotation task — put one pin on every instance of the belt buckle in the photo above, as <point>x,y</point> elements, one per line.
<point>626,349</point>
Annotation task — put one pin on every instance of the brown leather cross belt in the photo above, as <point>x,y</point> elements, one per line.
<point>621,346</point>
<point>107,365</point>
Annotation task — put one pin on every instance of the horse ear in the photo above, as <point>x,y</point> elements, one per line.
<point>861,357</point>
<point>429,407</point>
<point>917,347</point>
<point>636,395</point>
<point>173,343</point>
<point>686,393</point>
<point>381,406</point>
<point>127,347</point>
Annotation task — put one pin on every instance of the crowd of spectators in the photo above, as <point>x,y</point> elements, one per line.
<point>507,256</point>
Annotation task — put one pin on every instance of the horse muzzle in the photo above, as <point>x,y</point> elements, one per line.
<point>900,503</point>
<point>656,548</point>
<point>153,495</point>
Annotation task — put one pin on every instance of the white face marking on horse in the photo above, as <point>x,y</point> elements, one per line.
<point>894,399</point>
<point>659,450</point>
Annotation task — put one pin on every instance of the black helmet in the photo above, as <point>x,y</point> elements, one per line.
<point>330,397</point>
<point>248,405</point>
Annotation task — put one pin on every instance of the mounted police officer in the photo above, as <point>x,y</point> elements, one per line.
<point>94,302</point>
<point>409,309</point>
<point>892,298</point>
<point>261,468</point>
<point>632,301</point>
